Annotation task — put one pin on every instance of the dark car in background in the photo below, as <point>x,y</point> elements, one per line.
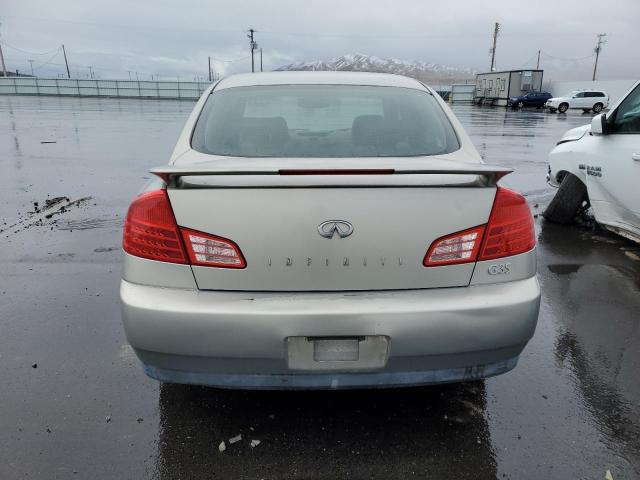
<point>531,99</point>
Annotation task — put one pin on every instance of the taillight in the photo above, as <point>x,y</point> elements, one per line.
<point>150,229</point>
<point>459,247</point>
<point>509,232</point>
<point>510,229</point>
<point>212,251</point>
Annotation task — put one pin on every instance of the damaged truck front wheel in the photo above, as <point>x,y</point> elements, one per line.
<point>568,201</point>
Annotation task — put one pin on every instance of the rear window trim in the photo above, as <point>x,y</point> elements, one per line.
<point>425,89</point>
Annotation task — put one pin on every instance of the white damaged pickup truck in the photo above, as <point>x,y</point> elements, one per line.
<point>598,165</point>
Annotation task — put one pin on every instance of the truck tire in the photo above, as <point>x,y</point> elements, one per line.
<point>597,108</point>
<point>563,107</point>
<point>568,200</point>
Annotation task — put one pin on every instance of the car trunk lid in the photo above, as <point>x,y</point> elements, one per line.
<point>280,214</point>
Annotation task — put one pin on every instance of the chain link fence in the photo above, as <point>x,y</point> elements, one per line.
<point>101,88</point>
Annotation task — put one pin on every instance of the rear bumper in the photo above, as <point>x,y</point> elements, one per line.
<point>239,339</point>
<point>326,381</point>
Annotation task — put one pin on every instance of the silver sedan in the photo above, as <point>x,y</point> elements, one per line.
<point>327,230</point>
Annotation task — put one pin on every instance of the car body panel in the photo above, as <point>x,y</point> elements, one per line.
<point>279,237</point>
<point>238,333</point>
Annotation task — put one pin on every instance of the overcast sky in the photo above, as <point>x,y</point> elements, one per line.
<point>174,38</point>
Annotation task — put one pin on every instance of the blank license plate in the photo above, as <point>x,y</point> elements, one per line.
<point>337,353</point>
<point>335,350</point>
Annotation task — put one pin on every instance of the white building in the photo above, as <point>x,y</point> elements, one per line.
<point>495,88</point>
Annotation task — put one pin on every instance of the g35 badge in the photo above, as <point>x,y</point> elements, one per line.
<point>499,269</point>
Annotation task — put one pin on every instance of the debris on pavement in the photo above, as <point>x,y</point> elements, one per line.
<point>222,447</point>
<point>632,255</point>
<point>255,443</point>
<point>608,475</point>
<point>235,439</point>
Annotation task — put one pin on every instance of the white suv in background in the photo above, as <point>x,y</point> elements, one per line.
<point>587,100</point>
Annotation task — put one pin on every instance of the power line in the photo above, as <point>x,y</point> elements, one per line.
<point>28,52</point>
<point>230,61</point>
<point>528,60</point>
<point>567,59</point>
<point>45,63</point>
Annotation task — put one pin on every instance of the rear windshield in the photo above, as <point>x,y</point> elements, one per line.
<point>323,121</point>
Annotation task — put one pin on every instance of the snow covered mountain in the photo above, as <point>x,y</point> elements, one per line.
<point>357,62</point>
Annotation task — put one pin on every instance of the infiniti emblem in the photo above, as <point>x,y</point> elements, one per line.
<point>341,227</point>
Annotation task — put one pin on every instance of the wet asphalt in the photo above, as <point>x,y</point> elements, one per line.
<point>74,402</point>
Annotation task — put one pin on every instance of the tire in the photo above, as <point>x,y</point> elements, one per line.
<point>586,110</point>
<point>597,108</point>
<point>563,107</point>
<point>567,202</point>
<point>520,104</point>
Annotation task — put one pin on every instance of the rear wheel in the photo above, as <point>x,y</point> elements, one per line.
<point>568,201</point>
<point>597,108</point>
<point>563,107</point>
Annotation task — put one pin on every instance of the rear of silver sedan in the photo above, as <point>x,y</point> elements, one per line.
<point>327,231</point>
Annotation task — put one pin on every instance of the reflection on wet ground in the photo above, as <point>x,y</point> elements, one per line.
<point>360,434</point>
<point>74,401</point>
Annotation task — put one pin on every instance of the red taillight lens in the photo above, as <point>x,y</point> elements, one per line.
<point>510,229</point>
<point>150,229</point>
<point>509,232</point>
<point>459,247</point>
<point>211,251</point>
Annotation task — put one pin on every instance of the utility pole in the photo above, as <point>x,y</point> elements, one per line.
<point>90,71</point>
<point>260,58</point>
<point>252,45</point>
<point>597,50</point>
<point>64,52</point>
<point>496,32</point>
<point>209,68</point>
<point>31,63</point>
<point>538,64</point>
<point>4,69</point>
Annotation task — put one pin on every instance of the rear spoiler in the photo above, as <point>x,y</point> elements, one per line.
<point>218,176</point>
